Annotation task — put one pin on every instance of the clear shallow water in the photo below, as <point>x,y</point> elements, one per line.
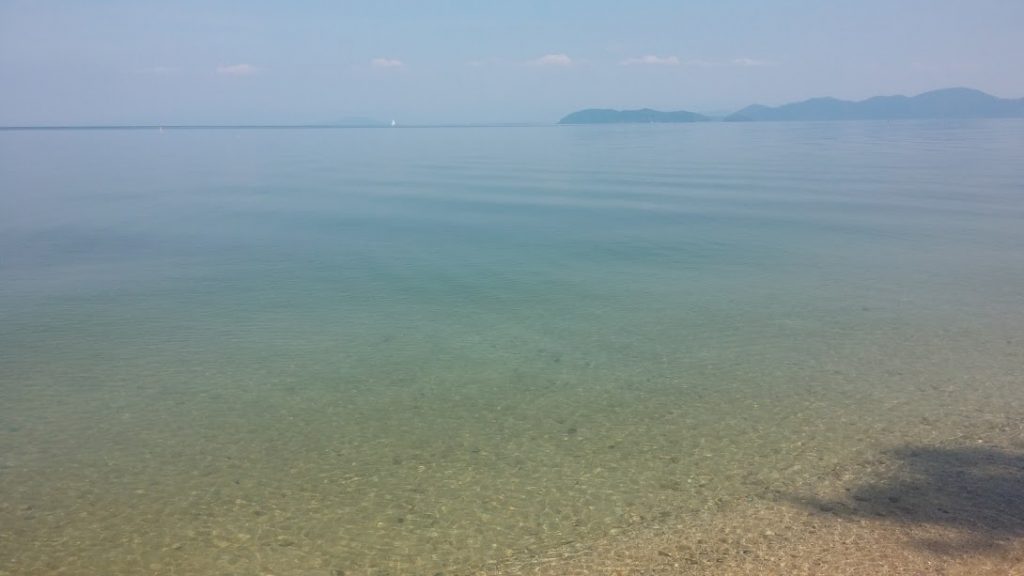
<point>421,350</point>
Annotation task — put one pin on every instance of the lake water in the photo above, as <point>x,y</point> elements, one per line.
<point>452,350</point>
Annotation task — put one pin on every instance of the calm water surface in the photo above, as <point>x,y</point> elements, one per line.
<point>410,351</point>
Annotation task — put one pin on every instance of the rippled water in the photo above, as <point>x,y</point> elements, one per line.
<point>444,349</point>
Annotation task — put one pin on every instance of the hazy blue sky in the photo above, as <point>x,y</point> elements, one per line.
<point>118,61</point>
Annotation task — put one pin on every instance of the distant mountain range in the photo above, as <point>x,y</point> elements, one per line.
<point>604,116</point>
<point>946,103</point>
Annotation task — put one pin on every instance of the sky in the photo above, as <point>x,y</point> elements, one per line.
<point>91,62</point>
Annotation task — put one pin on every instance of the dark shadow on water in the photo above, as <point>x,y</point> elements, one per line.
<point>977,491</point>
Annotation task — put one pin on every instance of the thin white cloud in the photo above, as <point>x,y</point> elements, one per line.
<point>387,63</point>
<point>552,60</point>
<point>651,60</point>
<point>237,70</point>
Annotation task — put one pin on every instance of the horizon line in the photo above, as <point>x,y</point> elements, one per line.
<point>269,126</point>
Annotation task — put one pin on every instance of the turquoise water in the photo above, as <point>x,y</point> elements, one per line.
<point>443,349</point>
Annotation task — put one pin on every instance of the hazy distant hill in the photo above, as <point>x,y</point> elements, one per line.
<point>947,103</point>
<point>604,116</point>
